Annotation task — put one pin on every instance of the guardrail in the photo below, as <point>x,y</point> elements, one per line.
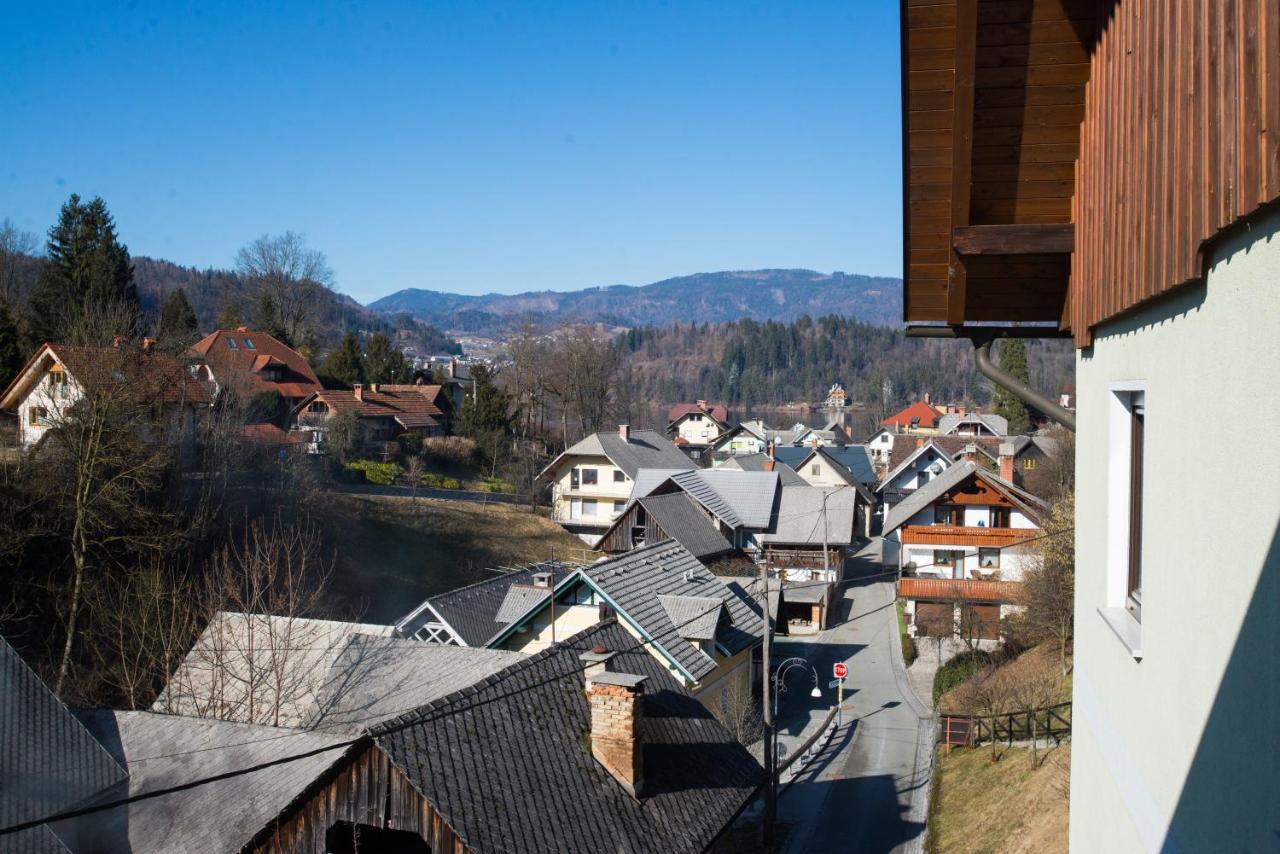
<point>802,753</point>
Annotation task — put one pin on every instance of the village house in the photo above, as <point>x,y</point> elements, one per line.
<point>252,363</point>
<point>742,439</point>
<point>383,412</point>
<point>591,481</point>
<point>844,465</point>
<point>1139,219</point>
<point>697,424</point>
<point>46,390</point>
<point>919,418</point>
<point>970,423</point>
<point>962,540</point>
<point>694,624</point>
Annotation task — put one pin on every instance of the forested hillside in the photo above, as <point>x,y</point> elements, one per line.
<point>745,363</point>
<point>211,291</point>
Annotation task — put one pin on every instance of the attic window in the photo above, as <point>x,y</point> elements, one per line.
<point>248,345</point>
<point>231,343</point>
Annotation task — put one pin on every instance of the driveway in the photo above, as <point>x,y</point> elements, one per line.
<point>868,792</point>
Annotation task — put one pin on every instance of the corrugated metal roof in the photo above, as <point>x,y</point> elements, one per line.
<point>48,760</point>
<point>695,617</point>
<point>798,520</point>
<point>685,522</point>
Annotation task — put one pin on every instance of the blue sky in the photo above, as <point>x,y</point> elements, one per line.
<point>466,146</point>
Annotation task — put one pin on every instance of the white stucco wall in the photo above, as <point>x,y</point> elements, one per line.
<point>1179,751</point>
<point>606,492</point>
<point>917,474</point>
<point>698,429</point>
<point>42,395</point>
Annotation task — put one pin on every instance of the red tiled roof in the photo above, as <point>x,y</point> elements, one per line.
<point>905,445</point>
<point>270,434</point>
<point>180,385</point>
<point>410,405</point>
<point>244,364</point>
<point>927,415</point>
<point>718,411</point>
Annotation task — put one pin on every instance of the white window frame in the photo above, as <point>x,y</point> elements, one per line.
<point>1126,626</point>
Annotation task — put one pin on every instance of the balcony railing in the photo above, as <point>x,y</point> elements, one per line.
<point>959,590</point>
<point>942,535</point>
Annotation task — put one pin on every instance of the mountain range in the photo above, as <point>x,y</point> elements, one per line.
<point>700,298</point>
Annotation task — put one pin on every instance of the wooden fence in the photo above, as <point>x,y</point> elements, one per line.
<point>969,730</point>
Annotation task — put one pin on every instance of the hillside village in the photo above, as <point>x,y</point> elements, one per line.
<point>285,574</point>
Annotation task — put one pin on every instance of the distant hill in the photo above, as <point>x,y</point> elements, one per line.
<point>209,290</point>
<point>701,298</point>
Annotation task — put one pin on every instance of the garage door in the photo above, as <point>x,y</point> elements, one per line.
<point>980,622</point>
<point>935,619</point>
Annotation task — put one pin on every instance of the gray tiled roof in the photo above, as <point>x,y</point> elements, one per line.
<point>686,523</point>
<point>997,424</point>
<point>755,462</point>
<point>508,763</point>
<point>791,456</point>
<point>258,668</point>
<point>49,762</point>
<point>160,750</point>
<point>798,520</point>
<point>853,461</point>
<point>695,617</point>
<point>934,489</point>
<point>635,580</point>
<point>647,480</point>
<point>472,611</point>
<point>375,679</point>
<point>645,449</point>
<point>741,499</point>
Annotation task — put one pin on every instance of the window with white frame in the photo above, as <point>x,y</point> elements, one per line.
<point>1126,477</point>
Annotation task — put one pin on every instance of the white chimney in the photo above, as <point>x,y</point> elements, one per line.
<point>358,390</point>
<point>624,432</point>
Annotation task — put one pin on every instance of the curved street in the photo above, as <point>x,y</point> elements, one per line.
<point>868,791</point>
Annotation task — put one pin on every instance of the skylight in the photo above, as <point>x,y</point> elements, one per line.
<point>248,344</point>
<point>231,342</point>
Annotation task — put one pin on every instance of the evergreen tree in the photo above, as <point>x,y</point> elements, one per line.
<point>178,325</point>
<point>383,361</point>
<point>486,415</point>
<point>1013,361</point>
<point>229,317</point>
<point>345,365</point>
<point>87,265</point>
<point>268,320</point>
<point>11,360</point>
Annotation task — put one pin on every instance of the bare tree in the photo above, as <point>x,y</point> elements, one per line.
<point>585,368</point>
<point>292,274</point>
<point>1048,586</point>
<point>739,712</point>
<point>115,429</point>
<point>1037,685</point>
<point>526,377</point>
<point>259,655</point>
<point>17,247</point>
<point>1054,477</point>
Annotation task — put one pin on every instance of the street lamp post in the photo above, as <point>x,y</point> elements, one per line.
<point>779,684</point>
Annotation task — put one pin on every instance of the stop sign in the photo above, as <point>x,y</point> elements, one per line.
<point>841,670</point>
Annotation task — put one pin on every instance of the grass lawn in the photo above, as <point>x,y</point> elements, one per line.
<point>998,807</point>
<point>391,553</point>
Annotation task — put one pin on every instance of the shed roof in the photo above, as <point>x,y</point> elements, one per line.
<point>683,521</point>
<point>508,767</point>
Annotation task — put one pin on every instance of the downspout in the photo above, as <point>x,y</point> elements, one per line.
<point>1019,389</point>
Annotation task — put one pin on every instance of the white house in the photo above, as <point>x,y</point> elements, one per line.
<point>963,541</point>
<point>697,424</point>
<point>964,423</point>
<point>592,480</point>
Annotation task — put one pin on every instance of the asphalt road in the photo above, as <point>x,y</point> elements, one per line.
<point>868,791</point>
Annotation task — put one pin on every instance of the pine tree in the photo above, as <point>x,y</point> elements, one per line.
<point>229,317</point>
<point>178,325</point>
<point>383,362</point>
<point>345,365</point>
<point>486,415</point>
<point>87,265</point>
<point>268,320</point>
<point>1013,361</point>
<point>10,345</point>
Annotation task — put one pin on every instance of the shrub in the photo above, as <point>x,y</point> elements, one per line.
<point>957,670</point>
<point>410,444</point>
<point>439,481</point>
<point>494,484</point>
<point>449,450</point>
<point>383,474</point>
<point>908,649</point>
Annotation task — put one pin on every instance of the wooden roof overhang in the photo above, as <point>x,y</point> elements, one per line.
<point>993,96</point>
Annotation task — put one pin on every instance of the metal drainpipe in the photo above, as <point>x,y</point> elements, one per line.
<point>1025,393</point>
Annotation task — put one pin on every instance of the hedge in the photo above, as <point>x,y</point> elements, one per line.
<point>958,669</point>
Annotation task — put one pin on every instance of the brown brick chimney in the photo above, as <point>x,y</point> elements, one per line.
<point>624,432</point>
<point>616,700</point>
<point>358,390</point>
<point>1006,461</point>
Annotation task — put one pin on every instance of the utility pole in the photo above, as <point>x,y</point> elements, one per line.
<point>825,566</point>
<point>770,756</point>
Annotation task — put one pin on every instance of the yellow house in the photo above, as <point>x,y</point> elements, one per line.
<point>703,630</point>
<point>591,481</point>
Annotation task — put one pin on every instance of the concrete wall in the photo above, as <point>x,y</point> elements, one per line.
<point>1176,746</point>
<point>605,492</point>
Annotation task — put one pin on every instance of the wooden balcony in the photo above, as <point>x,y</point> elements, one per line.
<point>959,590</point>
<point>947,535</point>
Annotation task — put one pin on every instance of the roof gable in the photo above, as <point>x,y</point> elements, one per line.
<point>472,613</point>
<point>918,414</point>
<point>954,478</point>
<point>254,351</point>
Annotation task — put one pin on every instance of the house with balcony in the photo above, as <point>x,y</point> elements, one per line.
<point>1108,173</point>
<point>45,391</point>
<point>592,480</point>
<point>696,425</point>
<point>382,413</point>
<point>963,547</point>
